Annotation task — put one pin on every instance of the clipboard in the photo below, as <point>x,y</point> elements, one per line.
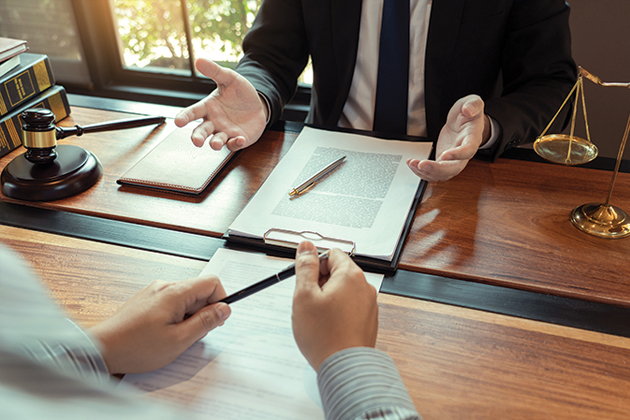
<point>286,249</point>
<point>290,237</point>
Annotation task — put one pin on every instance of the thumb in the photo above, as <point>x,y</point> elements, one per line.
<point>220,75</point>
<point>205,320</point>
<point>306,266</point>
<point>473,106</point>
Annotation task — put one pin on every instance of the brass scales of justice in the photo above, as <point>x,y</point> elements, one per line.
<point>602,220</point>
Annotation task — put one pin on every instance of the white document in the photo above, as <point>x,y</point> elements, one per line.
<point>366,200</point>
<point>250,367</point>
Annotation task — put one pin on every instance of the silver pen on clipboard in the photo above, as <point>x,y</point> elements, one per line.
<point>310,183</point>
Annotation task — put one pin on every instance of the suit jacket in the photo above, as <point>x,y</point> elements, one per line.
<point>515,54</point>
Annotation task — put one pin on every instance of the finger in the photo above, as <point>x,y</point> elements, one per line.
<point>192,113</point>
<point>236,143</point>
<point>201,133</point>
<point>221,75</point>
<point>306,267</point>
<point>337,260</point>
<point>464,151</point>
<point>342,269</point>
<point>464,110</point>
<point>203,321</point>
<point>181,119</point>
<point>413,165</point>
<point>472,107</point>
<point>433,171</point>
<point>199,292</point>
<point>218,140</point>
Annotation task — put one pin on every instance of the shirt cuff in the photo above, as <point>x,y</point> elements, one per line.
<point>87,358</point>
<point>267,104</point>
<point>363,382</point>
<point>495,133</point>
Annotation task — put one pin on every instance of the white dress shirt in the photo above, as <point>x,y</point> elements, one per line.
<point>358,112</point>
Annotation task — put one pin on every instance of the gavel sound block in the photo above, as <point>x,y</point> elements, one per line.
<point>47,171</point>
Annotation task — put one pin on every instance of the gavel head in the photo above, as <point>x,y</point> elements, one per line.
<point>39,135</point>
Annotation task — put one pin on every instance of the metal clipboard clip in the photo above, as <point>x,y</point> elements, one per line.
<point>291,238</point>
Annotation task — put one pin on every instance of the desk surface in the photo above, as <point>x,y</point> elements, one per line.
<point>457,363</point>
<point>504,223</point>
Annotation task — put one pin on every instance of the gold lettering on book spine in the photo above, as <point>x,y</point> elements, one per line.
<point>4,144</point>
<point>57,106</point>
<point>13,133</point>
<point>41,75</point>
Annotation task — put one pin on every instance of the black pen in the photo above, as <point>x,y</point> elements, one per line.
<point>263,284</point>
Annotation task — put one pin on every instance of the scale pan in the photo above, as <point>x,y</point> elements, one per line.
<point>555,148</point>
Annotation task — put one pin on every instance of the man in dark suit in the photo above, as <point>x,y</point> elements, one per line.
<point>484,75</point>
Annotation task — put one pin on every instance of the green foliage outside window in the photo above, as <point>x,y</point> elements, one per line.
<point>151,30</point>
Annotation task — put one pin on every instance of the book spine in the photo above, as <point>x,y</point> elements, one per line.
<point>30,81</point>
<point>54,99</point>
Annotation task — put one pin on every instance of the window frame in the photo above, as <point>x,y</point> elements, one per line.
<point>97,32</point>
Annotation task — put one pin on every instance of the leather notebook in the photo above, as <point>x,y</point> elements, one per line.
<point>177,165</point>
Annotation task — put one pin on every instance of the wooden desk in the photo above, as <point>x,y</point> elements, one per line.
<point>208,214</point>
<point>507,223</point>
<point>457,363</point>
<point>503,223</point>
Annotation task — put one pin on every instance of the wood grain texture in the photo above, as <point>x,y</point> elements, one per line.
<point>504,223</point>
<point>209,213</point>
<point>465,364</point>
<point>457,363</point>
<point>91,279</point>
<point>507,223</point>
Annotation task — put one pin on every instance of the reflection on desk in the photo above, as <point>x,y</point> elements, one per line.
<point>457,363</point>
<point>504,223</point>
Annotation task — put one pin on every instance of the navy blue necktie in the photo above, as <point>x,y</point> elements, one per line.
<point>392,86</point>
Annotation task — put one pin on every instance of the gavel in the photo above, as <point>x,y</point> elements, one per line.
<point>47,171</point>
<point>40,134</point>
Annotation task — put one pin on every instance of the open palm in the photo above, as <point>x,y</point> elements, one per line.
<point>233,114</point>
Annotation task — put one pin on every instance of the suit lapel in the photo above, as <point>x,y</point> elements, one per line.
<point>346,21</point>
<point>443,31</point>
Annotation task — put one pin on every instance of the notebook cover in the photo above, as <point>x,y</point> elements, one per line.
<point>177,165</point>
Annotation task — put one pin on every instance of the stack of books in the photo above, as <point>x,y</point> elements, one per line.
<point>26,81</point>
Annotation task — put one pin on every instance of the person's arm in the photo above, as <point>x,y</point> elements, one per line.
<point>49,367</point>
<point>251,98</point>
<point>537,72</point>
<point>335,322</point>
<point>159,323</point>
<point>275,52</point>
<point>363,383</point>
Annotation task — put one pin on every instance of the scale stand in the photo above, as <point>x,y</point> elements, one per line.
<point>602,220</point>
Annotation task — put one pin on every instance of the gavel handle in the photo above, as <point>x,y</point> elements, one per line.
<point>63,132</point>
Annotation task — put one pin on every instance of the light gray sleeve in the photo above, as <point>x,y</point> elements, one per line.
<point>78,357</point>
<point>49,367</point>
<point>363,383</point>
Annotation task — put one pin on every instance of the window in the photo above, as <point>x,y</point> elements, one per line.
<point>50,28</point>
<point>142,50</point>
<point>155,34</point>
<point>166,36</point>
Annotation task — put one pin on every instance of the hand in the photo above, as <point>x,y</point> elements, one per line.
<point>150,330</point>
<point>233,114</point>
<point>334,308</point>
<point>466,128</point>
